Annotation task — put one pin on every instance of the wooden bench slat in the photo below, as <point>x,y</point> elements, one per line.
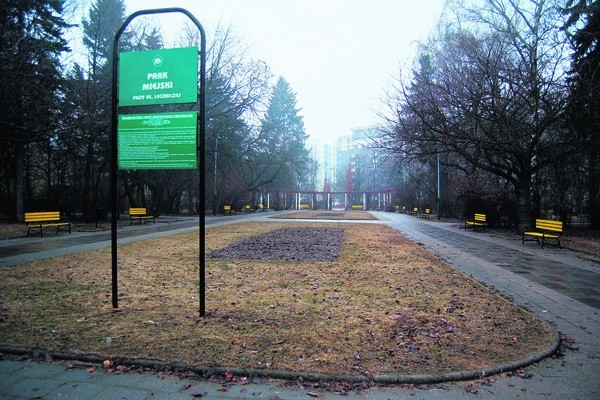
<point>42,216</point>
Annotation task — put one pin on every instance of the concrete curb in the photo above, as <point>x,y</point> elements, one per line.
<point>291,375</point>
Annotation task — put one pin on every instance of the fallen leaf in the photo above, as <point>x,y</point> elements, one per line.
<point>106,363</point>
<point>472,388</point>
<point>90,369</point>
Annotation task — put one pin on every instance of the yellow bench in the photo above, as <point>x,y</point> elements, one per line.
<point>425,214</point>
<point>415,211</point>
<point>479,221</point>
<point>45,219</point>
<point>545,229</point>
<point>228,210</point>
<point>304,206</point>
<point>248,208</point>
<point>140,214</point>
<point>357,207</point>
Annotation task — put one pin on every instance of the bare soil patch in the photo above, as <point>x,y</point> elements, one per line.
<point>288,244</point>
<point>384,305</point>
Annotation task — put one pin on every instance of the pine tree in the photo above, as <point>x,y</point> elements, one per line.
<point>31,41</point>
<point>284,138</point>
<point>584,100</point>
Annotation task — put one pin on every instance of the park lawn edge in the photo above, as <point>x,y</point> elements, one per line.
<point>64,306</point>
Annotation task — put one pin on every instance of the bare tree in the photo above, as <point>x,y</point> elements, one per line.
<point>494,95</point>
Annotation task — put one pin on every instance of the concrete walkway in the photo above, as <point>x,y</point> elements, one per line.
<point>555,284</point>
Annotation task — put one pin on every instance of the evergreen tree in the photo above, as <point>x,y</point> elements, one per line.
<point>88,105</point>
<point>284,139</point>
<point>584,100</point>
<point>31,41</point>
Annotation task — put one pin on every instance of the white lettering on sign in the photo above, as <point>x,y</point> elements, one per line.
<point>153,76</point>
<point>157,85</point>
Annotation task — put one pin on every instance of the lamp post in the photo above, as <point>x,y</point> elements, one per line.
<point>215,177</point>
<point>438,188</point>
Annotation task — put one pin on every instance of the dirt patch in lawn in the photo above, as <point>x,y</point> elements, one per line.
<point>288,244</point>
<point>384,305</point>
<point>328,215</point>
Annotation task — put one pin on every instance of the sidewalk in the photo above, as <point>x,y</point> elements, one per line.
<point>548,282</point>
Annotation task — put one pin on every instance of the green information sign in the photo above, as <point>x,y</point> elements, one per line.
<point>166,76</point>
<point>157,141</point>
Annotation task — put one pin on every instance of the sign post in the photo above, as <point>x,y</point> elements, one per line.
<point>166,140</point>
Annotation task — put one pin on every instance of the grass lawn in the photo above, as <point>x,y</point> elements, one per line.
<point>384,306</point>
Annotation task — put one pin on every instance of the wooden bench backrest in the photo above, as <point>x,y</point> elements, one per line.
<point>548,225</point>
<point>227,208</point>
<point>427,211</point>
<point>416,209</point>
<point>480,217</point>
<point>137,211</point>
<point>42,216</point>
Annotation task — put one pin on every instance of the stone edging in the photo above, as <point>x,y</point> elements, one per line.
<point>290,375</point>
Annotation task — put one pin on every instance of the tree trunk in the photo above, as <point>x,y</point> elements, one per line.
<point>523,193</point>
<point>594,202</point>
<point>19,176</point>
<point>86,208</point>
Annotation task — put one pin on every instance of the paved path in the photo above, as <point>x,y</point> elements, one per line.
<point>555,284</point>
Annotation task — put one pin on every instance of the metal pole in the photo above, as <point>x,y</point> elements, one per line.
<point>114,149</point>
<point>215,177</point>
<point>438,188</point>
<point>201,186</point>
<point>113,172</point>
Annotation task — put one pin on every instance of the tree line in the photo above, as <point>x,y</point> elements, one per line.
<point>55,117</point>
<point>505,95</point>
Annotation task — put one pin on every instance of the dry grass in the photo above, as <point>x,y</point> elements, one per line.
<point>385,306</point>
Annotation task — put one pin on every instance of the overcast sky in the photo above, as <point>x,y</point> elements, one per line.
<point>337,55</point>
